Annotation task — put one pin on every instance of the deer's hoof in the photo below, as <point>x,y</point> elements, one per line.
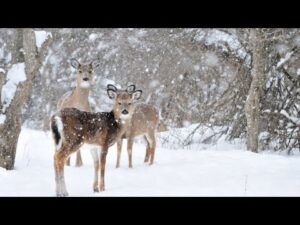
<point>62,194</point>
<point>102,188</point>
<point>79,164</point>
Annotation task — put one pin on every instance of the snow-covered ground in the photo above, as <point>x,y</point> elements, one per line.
<point>206,170</point>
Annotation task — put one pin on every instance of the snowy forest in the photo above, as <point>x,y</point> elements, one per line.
<point>228,104</point>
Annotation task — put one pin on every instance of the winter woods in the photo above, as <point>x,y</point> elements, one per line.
<point>244,82</point>
<point>16,87</point>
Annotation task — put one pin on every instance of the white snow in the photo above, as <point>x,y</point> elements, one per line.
<point>284,59</point>
<point>1,53</point>
<point>102,45</point>
<point>196,67</point>
<point>2,70</point>
<point>15,75</point>
<point>281,48</point>
<point>297,40</point>
<point>40,37</point>
<point>154,83</point>
<point>291,118</point>
<point>2,118</point>
<point>141,33</point>
<point>186,123</point>
<point>223,40</point>
<point>211,59</point>
<point>133,40</point>
<point>106,82</point>
<point>92,37</point>
<point>220,170</point>
<point>110,53</point>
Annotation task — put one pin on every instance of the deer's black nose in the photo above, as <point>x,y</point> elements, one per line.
<point>85,79</point>
<point>125,112</point>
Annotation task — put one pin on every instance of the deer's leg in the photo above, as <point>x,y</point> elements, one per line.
<point>147,150</point>
<point>59,164</point>
<point>95,155</point>
<point>68,162</point>
<point>78,159</point>
<point>119,148</point>
<point>152,141</point>
<point>129,150</point>
<point>103,162</point>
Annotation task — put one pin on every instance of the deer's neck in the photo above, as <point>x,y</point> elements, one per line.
<point>81,94</point>
<point>122,125</point>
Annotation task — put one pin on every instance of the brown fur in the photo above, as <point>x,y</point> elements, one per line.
<point>144,122</point>
<point>78,98</point>
<point>79,127</point>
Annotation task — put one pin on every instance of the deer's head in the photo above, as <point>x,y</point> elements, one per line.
<point>85,72</point>
<point>123,101</point>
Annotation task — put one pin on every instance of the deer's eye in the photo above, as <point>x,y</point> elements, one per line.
<point>80,71</point>
<point>119,103</point>
<point>129,103</point>
<point>90,71</point>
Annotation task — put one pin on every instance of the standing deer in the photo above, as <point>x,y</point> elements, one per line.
<point>144,121</point>
<point>72,128</point>
<point>78,98</point>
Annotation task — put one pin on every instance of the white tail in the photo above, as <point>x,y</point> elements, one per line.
<point>57,131</point>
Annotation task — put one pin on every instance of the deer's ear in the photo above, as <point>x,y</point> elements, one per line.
<point>130,88</point>
<point>95,63</point>
<point>137,95</point>
<point>110,86</point>
<point>111,94</point>
<point>75,63</point>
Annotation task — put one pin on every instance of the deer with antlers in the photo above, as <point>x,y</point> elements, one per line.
<point>72,128</point>
<point>144,122</point>
<point>78,98</point>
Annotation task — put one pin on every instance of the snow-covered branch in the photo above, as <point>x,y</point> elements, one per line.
<point>286,58</point>
<point>15,75</point>
<point>293,119</point>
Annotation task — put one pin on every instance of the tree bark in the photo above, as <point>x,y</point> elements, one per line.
<point>252,107</point>
<point>11,128</point>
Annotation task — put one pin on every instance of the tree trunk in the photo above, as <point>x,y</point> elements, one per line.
<point>11,128</point>
<point>17,53</point>
<point>252,107</point>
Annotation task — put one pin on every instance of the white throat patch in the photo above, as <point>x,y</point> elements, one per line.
<point>124,117</point>
<point>85,84</point>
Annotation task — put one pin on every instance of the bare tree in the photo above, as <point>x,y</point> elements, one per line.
<point>252,107</point>
<point>24,53</point>
<point>194,76</point>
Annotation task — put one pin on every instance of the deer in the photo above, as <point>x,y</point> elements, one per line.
<point>78,97</point>
<point>144,122</point>
<point>71,128</point>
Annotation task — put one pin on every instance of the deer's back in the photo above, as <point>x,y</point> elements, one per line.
<point>144,118</point>
<point>68,101</point>
<point>87,127</point>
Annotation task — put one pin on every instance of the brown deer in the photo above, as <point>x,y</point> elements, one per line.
<point>78,98</point>
<point>144,121</point>
<point>71,128</point>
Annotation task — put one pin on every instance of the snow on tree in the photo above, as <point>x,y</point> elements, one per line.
<point>194,76</point>
<point>16,86</point>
